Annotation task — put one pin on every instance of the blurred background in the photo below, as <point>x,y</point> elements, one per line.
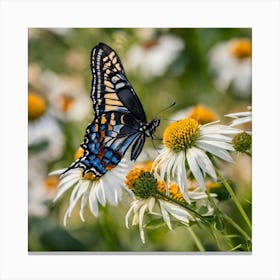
<point>209,68</point>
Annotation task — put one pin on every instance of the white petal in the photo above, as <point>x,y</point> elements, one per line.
<point>181,177</point>
<point>191,158</point>
<point>141,216</point>
<point>178,212</point>
<point>76,172</point>
<point>151,204</point>
<point>241,121</point>
<point>217,144</point>
<point>100,193</point>
<point>218,129</point>
<point>57,172</point>
<point>239,114</point>
<point>65,188</point>
<point>83,195</point>
<point>83,204</point>
<point>93,203</point>
<point>223,154</point>
<point>215,137</point>
<point>128,215</point>
<point>165,215</point>
<point>205,163</point>
<point>76,194</point>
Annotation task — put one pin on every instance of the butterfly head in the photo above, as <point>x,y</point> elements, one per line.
<point>150,128</point>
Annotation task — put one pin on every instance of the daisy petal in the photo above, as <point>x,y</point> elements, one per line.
<point>141,216</point>
<point>191,158</point>
<point>93,203</point>
<point>205,163</point>
<point>217,152</point>
<point>177,212</point>
<point>165,215</point>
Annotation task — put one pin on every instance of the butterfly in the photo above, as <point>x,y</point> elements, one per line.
<point>120,120</point>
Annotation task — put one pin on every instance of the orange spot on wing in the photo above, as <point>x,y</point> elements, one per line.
<point>102,134</point>
<point>103,120</point>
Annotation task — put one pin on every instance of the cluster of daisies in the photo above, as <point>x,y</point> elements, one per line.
<point>172,186</point>
<point>175,185</point>
<point>53,102</point>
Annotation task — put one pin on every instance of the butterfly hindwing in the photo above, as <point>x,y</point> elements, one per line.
<point>106,141</point>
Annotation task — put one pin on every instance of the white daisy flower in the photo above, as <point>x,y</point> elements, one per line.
<point>45,138</point>
<point>154,57</point>
<point>140,206</point>
<point>149,194</point>
<point>240,118</point>
<point>90,189</point>
<point>230,63</point>
<point>41,188</point>
<point>186,144</point>
<point>67,97</point>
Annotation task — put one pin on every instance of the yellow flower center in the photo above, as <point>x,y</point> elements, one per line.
<point>66,102</point>
<point>89,176</point>
<point>242,49</point>
<point>136,173</point>
<point>202,114</point>
<point>181,135</point>
<point>139,169</point>
<point>36,106</point>
<point>51,182</point>
<point>132,176</point>
<point>174,190</point>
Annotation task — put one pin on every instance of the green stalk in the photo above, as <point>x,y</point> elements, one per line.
<point>235,200</point>
<point>196,240</point>
<point>236,226</point>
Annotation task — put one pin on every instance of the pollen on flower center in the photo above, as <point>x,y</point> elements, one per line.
<point>181,135</point>
<point>242,49</point>
<point>132,176</point>
<point>174,190</point>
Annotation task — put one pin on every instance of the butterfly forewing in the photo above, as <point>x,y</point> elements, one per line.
<point>111,90</point>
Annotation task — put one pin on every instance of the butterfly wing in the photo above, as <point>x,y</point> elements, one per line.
<point>111,90</point>
<point>118,114</point>
<point>106,141</point>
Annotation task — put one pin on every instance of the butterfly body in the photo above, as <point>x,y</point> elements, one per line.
<point>120,120</point>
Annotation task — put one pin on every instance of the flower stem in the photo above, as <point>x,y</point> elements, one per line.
<point>196,240</point>
<point>236,226</point>
<point>235,200</point>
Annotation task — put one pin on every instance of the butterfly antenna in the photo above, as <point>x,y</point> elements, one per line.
<point>166,109</point>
